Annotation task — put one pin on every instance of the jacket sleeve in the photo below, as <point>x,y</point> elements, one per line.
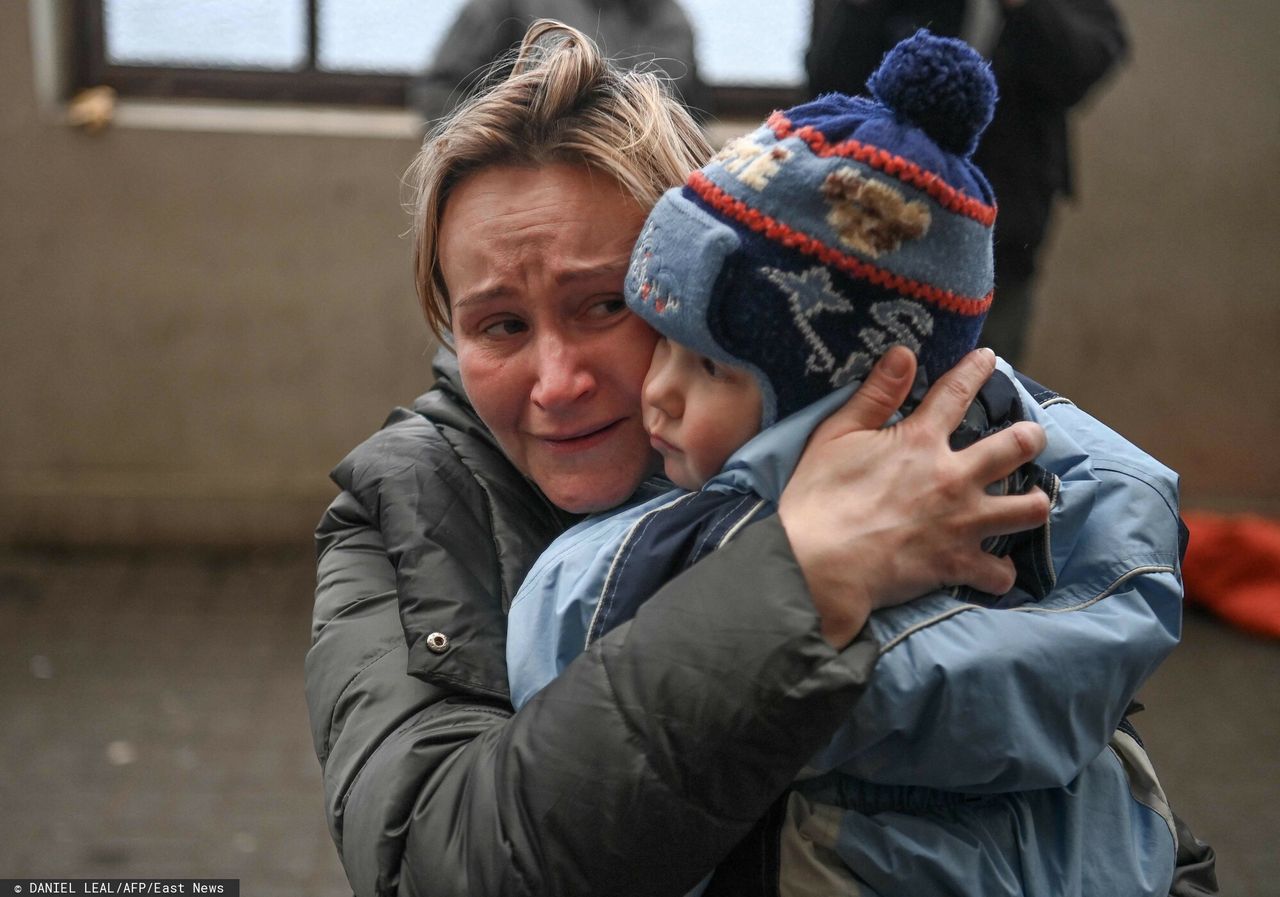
<point>1063,47</point>
<point>977,699</point>
<point>632,773</point>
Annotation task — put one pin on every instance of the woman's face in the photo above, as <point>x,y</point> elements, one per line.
<point>533,260</point>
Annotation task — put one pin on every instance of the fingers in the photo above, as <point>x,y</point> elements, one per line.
<point>880,395</point>
<point>945,403</point>
<point>1005,514</point>
<point>1000,454</point>
<point>991,574</point>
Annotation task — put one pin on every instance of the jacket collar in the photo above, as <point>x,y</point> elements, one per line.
<point>765,463</point>
<point>446,401</point>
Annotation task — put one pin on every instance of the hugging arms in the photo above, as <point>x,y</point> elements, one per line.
<point>650,757</point>
<point>653,754</point>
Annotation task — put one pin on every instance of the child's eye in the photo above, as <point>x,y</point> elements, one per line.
<point>712,369</point>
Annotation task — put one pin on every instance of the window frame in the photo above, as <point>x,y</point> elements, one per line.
<point>309,84</point>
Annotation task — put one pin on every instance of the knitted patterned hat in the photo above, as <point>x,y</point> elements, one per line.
<point>805,250</point>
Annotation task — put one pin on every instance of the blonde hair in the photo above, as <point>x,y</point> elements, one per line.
<point>563,102</point>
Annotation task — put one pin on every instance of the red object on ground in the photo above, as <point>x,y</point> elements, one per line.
<point>1232,568</point>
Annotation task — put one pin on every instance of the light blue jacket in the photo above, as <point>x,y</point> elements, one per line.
<point>985,756</point>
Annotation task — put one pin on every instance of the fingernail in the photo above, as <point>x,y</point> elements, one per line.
<point>987,354</point>
<point>895,364</point>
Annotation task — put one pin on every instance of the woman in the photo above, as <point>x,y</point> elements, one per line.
<point>655,753</point>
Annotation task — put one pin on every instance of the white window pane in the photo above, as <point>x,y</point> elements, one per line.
<point>739,41</point>
<point>385,36</point>
<point>751,41</point>
<point>207,33</point>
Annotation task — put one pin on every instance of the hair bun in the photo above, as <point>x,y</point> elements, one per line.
<point>941,85</point>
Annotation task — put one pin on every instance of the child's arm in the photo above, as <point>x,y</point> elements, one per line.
<point>978,699</point>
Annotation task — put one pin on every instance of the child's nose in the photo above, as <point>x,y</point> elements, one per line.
<point>660,391</point>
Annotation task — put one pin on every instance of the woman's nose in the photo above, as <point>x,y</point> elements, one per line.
<point>564,374</point>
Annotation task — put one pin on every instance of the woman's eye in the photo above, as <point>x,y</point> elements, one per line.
<point>505,327</point>
<point>608,307</point>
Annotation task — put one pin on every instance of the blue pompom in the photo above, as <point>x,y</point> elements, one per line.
<point>941,85</point>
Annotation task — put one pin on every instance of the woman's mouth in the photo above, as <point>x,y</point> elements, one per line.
<point>581,440</point>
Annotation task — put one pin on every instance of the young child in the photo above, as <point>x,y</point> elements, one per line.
<point>988,755</point>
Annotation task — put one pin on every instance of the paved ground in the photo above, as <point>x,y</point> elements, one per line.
<point>152,724</point>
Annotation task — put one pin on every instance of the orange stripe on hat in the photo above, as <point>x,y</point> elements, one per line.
<point>787,236</point>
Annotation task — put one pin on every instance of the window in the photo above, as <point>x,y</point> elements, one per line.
<point>366,52</point>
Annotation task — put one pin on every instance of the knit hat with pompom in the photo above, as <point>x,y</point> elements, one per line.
<point>844,226</point>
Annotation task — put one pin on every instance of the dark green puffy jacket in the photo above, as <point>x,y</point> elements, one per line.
<point>633,773</point>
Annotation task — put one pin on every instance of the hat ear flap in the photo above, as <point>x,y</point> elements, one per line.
<point>743,311</point>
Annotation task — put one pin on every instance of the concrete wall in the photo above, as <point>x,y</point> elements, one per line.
<point>199,323</point>
<point>1161,312</point>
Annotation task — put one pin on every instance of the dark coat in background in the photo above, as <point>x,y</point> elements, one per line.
<point>653,33</point>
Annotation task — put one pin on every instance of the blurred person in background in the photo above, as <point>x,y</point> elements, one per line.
<point>1046,55</point>
<point>653,34</point>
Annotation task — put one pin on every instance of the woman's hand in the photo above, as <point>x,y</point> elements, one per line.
<point>877,516</point>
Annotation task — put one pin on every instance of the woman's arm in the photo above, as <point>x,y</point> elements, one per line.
<point>652,754</point>
<point>632,773</point>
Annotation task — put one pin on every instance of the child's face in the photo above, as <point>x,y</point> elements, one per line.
<point>698,412</point>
